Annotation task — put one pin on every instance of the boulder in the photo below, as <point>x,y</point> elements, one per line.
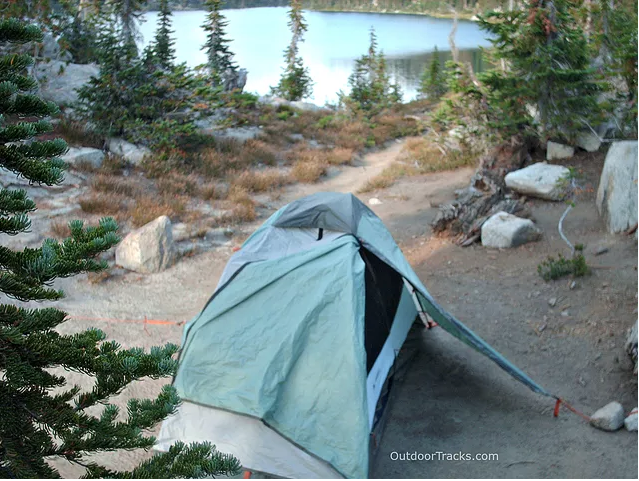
<point>298,104</point>
<point>542,180</point>
<point>234,79</point>
<point>130,152</point>
<point>608,418</point>
<point>555,150</point>
<point>631,421</point>
<point>617,193</point>
<point>239,134</point>
<point>147,249</point>
<point>589,141</point>
<point>631,345</point>
<point>504,230</point>
<point>59,81</point>
<point>84,155</point>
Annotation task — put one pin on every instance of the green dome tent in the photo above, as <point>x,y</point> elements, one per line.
<point>284,366</point>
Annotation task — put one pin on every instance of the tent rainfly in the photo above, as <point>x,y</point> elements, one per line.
<point>284,366</point>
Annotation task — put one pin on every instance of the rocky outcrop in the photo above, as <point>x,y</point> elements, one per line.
<point>617,193</point>
<point>298,104</point>
<point>557,151</point>
<point>542,180</point>
<point>130,152</point>
<point>59,81</point>
<point>148,249</point>
<point>234,79</point>
<point>84,155</point>
<point>504,230</point>
<point>608,418</point>
<point>239,134</point>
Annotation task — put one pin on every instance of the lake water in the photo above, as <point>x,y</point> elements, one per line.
<point>332,43</point>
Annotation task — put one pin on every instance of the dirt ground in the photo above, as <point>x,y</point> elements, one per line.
<point>451,398</point>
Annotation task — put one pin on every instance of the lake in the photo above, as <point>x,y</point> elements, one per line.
<point>332,43</point>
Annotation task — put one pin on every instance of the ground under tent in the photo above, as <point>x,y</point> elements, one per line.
<point>286,367</point>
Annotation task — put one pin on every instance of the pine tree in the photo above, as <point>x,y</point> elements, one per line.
<point>548,67</point>
<point>219,56</point>
<point>42,417</point>
<point>371,88</point>
<point>433,81</point>
<point>163,48</point>
<point>295,82</point>
<point>127,13</point>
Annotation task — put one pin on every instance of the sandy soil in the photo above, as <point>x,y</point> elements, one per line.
<point>451,399</point>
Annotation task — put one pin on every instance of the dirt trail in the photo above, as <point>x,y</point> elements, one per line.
<point>451,399</point>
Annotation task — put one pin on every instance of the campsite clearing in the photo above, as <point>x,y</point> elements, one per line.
<point>451,399</point>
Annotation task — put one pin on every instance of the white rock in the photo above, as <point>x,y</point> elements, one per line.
<point>147,249</point>
<point>239,134</point>
<point>631,421</point>
<point>59,80</point>
<point>555,150</point>
<point>504,230</point>
<point>542,180</point>
<point>552,302</point>
<point>130,152</point>
<point>608,418</point>
<point>617,193</point>
<point>589,141</point>
<point>374,201</point>
<point>84,155</point>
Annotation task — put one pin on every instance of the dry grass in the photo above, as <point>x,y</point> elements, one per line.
<point>339,156</point>
<point>243,209</point>
<point>60,229</point>
<point>178,184</point>
<point>256,152</point>
<point>388,177</point>
<point>213,191</point>
<point>111,184</point>
<point>430,159</point>
<point>104,203</point>
<point>256,182</point>
<point>147,209</point>
<point>75,133</point>
<point>308,172</point>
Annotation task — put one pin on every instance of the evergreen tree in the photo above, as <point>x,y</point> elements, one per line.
<point>371,89</point>
<point>548,67</point>
<point>295,82</point>
<point>42,417</point>
<point>127,13</point>
<point>219,56</point>
<point>163,48</point>
<point>433,81</point>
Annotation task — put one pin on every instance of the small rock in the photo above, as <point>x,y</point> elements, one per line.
<point>374,201</point>
<point>608,418</point>
<point>555,150</point>
<point>631,421</point>
<point>573,284</point>
<point>541,180</point>
<point>552,302</point>
<point>565,314</point>
<point>147,249</point>
<point>128,151</point>
<point>84,155</point>
<point>589,141</point>
<point>504,230</point>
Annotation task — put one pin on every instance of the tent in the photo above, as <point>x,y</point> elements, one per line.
<point>284,366</point>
